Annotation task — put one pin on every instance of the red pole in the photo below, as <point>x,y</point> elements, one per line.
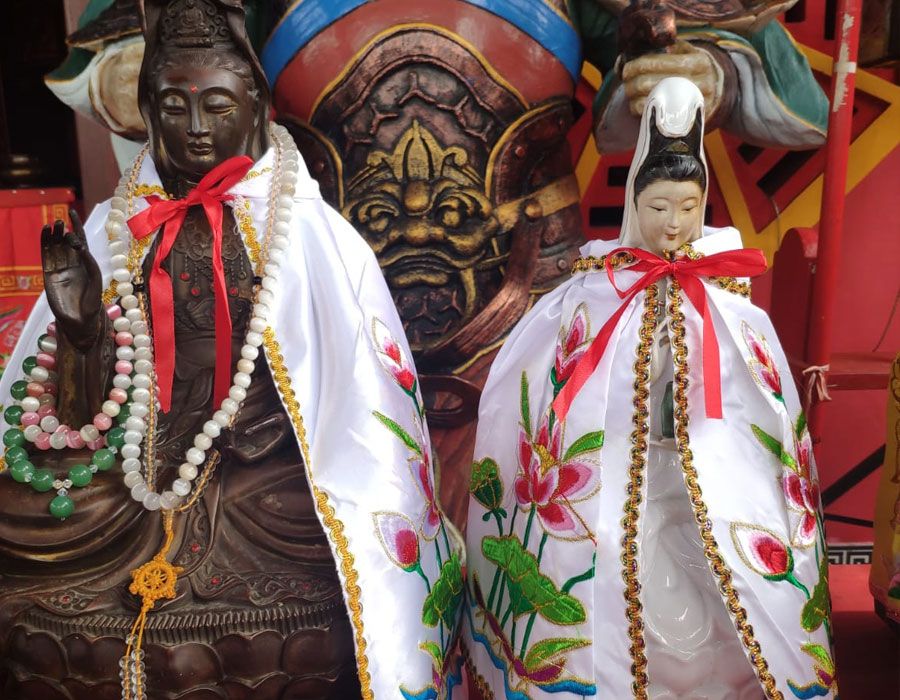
<point>837,148</point>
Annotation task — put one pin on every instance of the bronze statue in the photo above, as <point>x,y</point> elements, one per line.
<point>237,595</point>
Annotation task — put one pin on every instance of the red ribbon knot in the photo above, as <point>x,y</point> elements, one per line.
<point>210,193</point>
<point>689,274</point>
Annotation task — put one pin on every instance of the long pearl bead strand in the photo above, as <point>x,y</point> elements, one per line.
<point>140,352</point>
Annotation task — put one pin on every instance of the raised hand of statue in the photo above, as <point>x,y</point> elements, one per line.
<point>72,282</point>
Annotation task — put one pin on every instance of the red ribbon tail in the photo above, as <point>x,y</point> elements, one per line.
<point>712,371</point>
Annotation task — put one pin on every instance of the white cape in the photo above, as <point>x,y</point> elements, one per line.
<point>348,387</point>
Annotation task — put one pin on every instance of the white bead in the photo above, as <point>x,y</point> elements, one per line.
<point>129,301</point>
<point>89,433</point>
<point>141,380</point>
<point>122,275</point>
<point>140,396</point>
<point>288,188</point>
<point>49,423</point>
<point>118,247</point>
<point>188,471</point>
<point>142,341</point>
<point>143,367</point>
<point>237,393</point>
<point>245,366</point>
<point>48,344</point>
<point>212,429</point>
<point>136,423</point>
<point>139,410</point>
<point>114,229</point>
<point>242,380</point>
<point>254,338</point>
<point>124,288</point>
<point>261,311</point>
<point>134,315</point>
<point>289,176</point>
<point>222,418</point>
<point>121,324</point>
<point>281,242</point>
<point>139,491</point>
<point>230,406</point>
<point>284,202</point>
<point>124,352</point>
<point>143,354</point>
<point>111,408</point>
<point>131,465</point>
<point>272,270</point>
<point>139,327</point>
<point>31,432</point>
<point>40,374</point>
<point>282,214</point>
<point>276,255</point>
<point>133,437</point>
<point>121,381</point>
<point>181,487</point>
<point>151,501</point>
<point>58,441</point>
<point>195,456</point>
<point>117,260</point>
<point>31,403</point>
<point>130,451</point>
<point>270,283</point>
<point>249,352</point>
<point>202,441</point>
<point>257,324</point>
<point>132,479</point>
<point>118,203</point>
<point>265,297</point>
<point>168,500</point>
<point>282,228</point>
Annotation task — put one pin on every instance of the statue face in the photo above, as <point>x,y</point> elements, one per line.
<point>669,214</point>
<point>205,115</point>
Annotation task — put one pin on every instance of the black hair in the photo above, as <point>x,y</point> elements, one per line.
<point>679,167</point>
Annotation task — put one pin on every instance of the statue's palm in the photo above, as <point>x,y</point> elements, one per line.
<point>72,282</point>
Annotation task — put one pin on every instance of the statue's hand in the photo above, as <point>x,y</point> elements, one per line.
<point>641,75</point>
<point>72,282</point>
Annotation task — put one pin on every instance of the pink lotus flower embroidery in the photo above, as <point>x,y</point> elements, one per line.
<point>573,342</point>
<point>399,538</point>
<point>553,483</point>
<point>763,551</point>
<point>801,493</point>
<point>421,469</point>
<point>762,364</point>
<point>393,358</point>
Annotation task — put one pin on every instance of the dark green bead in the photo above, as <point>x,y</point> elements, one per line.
<point>115,437</point>
<point>22,471</point>
<point>19,390</point>
<point>103,458</point>
<point>42,480</point>
<point>15,454</point>
<point>13,438</point>
<point>124,412</point>
<point>80,475</point>
<point>13,415</point>
<point>29,363</point>
<point>62,507</point>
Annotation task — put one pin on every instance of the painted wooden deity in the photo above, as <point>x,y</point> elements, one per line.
<point>218,484</point>
<point>644,518</point>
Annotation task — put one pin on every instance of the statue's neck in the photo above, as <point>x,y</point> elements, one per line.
<point>178,187</point>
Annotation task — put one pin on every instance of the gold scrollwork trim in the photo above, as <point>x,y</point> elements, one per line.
<point>710,547</point>
<point>636,469</point>
<point>334,525</point>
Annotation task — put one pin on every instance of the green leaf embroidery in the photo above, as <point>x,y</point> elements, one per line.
<point>395,428</point>
<point>526,409</point>
<point>586,443</point>
<point>433,649</point>
<point>801,425</point>
<point>775,447</point>
<point>544,652</point>
<point>485,485</point>
<point>446,595</point>
<point>821,655</point>
<point>818,608</point>
<point>529,589</point>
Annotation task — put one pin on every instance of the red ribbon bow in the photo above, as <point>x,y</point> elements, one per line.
<point>688,274</point>
<point>210,194</point>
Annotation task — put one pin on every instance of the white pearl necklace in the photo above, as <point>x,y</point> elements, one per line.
<point>140,351</point>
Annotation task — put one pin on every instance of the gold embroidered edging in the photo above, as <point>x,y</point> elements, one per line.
<point>483,688</point>
<point>730,284</point>
<point>334,525</point>
<point>629,557</point>
<point>710,546</point>
<point>590,263</point>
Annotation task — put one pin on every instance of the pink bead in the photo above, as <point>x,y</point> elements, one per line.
<point>74,440</point>
<point>51,329</point>
<point>96,444</point>
<point>124,338</point>
<point>102,421</point>
<point>124,367</point>
<point>30,418</point>
<point>118,395</point>
<point>46,410</point>
<point>34,389</point>
<point>45,359</point>
<point>42,441</point>
<point>50,389</point>
<point>113,311</point>
<point>62,428</point>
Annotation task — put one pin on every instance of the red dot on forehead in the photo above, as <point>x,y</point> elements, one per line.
<point>193,88</point>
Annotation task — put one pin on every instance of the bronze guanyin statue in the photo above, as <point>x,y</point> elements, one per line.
<point>239,592</point>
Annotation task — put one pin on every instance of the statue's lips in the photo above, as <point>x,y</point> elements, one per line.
<point>406,261</point>
<point>200,149</point>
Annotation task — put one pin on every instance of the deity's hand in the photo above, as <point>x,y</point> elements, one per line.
<point>72,282</point>
<point>641,75</point>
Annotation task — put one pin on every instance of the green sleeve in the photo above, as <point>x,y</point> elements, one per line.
<point>597,28</point>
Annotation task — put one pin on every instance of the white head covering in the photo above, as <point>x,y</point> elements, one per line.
<point>674,104</point>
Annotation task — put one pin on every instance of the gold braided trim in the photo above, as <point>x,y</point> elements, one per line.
<point>143,190</point>
<point>638,454</point>
<point>248,231</point>
<point>483,688</point>
<point>334,525</point>
<point>730,284</point>
<point>710,547</point>
<point>590,263</point>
